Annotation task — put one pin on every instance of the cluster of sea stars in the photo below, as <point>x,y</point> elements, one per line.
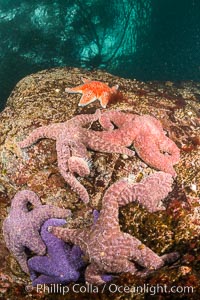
<point>107,248</point>
<point>22,226</point>
<point>62,262</point>
<point>73,140</point>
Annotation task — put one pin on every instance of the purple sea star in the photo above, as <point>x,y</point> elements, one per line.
<point>108,249</point>
<point>146,134</point>
<point>61,263</point>
<point>21,227</point>
<point>72,141</point>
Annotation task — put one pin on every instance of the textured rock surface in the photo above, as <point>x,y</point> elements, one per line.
<point>40,99</point>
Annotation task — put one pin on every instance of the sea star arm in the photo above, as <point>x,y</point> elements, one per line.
<point>39,264</point>
<point>63,155</point>
<point>93,275</point>
<point>118,118</point>
<point>141,254</point>
<point>45,279</point>
<point>107,94</point>
<point>72,181</point>
<point>117,137</point>
<point>84,119</point>
<point>50,240</point>
<point>149,192</point>
<point>49,131</point>
<point>21,258</point>
<point>104,99</point>
<point>123,265</point>
<point>88,95</point>
<point>167,259</point>
<point>41,214</point>
<point>21,199</point>
<point>77,148</point>
<point>79,166</point>
<point>170,257</point>
<point>149,152</point>
<point>167,145</point>
<point>75,89</point>
<point>144,256</point>
<point>109,215</point>
<point>67,235</point>
<point>97,144</point>
<point>87,98</point>
<point>63,152</point>
<point>33,241</point>
<point>75,257</point>
<point>76,186</point>
<point>70,153</point>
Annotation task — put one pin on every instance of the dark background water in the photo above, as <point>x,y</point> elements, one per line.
<point>143,39</point>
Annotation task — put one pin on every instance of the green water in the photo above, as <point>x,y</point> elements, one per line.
<point>143,39</point>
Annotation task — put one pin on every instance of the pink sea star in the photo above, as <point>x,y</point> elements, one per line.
<point>107,248</point>
<point>72,141</point>
<point>146,134</point>
<point>21,227</point>
<point>93,90</point>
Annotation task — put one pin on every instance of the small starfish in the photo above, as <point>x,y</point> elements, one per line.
<point>146,134</point>
<point>109,250</point>
<point>93,90</point>
<point>62,262</point>
<point>72,141</point>
<point>21,227</point>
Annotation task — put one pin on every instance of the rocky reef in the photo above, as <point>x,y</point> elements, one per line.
<point>39,100</point>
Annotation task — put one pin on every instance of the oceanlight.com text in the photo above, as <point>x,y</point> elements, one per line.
<point>78,288</point>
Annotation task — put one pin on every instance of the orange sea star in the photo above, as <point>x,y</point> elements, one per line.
<point>93,90</point>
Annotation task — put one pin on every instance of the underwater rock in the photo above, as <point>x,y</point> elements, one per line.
<point>40,99</point>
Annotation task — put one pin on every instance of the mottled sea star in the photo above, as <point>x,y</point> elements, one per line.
<point>72,141</point>
<point>21,227</point>
<point>146,134</point>
<point>108,249</point>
